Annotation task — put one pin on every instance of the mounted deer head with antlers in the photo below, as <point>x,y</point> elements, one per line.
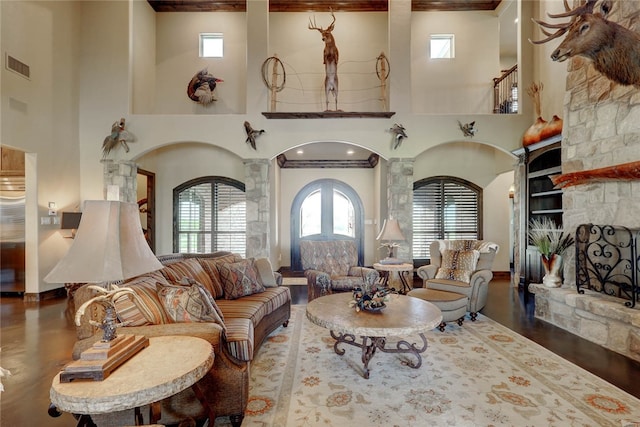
<point>614,49</point>
<point>330,60</point>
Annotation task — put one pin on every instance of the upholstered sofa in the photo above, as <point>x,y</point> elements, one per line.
<point>236,329</point>
<point>463,267</point>
<point>332,266</point>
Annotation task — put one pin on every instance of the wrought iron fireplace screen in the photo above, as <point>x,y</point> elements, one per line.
<point>607,261</point>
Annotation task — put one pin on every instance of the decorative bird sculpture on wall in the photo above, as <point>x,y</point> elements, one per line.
<point>469,129</point>
<point>118,136</point>
<point>201,87</point>
<point>399,133</point>
<point>252,134</point>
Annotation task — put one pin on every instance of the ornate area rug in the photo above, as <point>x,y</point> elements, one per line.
<point>480,374</point>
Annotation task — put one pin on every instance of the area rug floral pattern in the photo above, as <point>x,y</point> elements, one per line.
<point>480,374</point>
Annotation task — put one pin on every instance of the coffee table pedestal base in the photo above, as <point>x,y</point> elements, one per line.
<point>369,346</point>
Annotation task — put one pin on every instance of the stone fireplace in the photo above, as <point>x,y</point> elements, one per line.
<point>601,129</point>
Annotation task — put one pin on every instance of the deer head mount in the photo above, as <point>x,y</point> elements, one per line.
<point>614,49</point>
<point>330,60</point>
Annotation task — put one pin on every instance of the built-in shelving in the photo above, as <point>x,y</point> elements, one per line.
<point>540,200</point>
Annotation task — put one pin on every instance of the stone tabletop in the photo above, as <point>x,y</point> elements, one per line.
<point>393,267</point>
<point>169,365</point>
<point>402,316</point>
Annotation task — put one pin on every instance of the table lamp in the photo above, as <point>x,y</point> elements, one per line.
<point>390,233</point>
<point>108,248</point>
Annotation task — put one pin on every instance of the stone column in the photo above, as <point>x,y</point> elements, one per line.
<point>256,173</point>
<point>400,202</point>
<point>519,219</point>
<point>120,174</point>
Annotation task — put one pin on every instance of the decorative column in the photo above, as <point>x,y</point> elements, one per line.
<point>520,225</point>
<point>256,172</point>
<point>400,201</point>
<point>120,180</point>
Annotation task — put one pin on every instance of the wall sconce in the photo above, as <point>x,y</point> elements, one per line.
<point>71,221</point>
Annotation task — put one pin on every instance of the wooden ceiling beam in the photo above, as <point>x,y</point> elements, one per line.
<point>319,5</point>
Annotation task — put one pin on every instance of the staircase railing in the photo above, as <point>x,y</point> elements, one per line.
<point>505,92</point>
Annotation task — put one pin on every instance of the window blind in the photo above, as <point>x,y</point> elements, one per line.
<point>443,209</point>
<point>210,216</point>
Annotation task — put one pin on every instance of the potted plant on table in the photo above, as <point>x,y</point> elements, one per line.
<point>552,243</point>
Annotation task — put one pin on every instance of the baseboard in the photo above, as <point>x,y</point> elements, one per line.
<point>502,275</point>
<point>50,294</point>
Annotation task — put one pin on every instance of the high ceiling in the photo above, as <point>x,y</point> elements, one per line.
<point>329,152</point>
<point>319,5</point>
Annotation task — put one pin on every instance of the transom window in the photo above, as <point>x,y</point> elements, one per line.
<point>444,208</point>
<point>209,216</point>
<point>211,45</point>
<point>442,46</point>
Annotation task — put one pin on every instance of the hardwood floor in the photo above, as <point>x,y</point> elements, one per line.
<point>36,342</point>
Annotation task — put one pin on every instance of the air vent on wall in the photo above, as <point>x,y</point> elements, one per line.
<point>17,66</point>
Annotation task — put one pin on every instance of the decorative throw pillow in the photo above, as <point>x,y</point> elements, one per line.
<point>458,265</point>
<point>265,272</point>
<point>210,265</point>
<point>190,268</point>
<point>145,308</point>
<point>240,279</point>
<point>189,303</point>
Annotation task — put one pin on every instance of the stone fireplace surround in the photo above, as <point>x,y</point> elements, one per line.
<point>601,129</point>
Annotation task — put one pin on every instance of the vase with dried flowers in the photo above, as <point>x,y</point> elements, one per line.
<point>552,243</point>
<point>369,296</point>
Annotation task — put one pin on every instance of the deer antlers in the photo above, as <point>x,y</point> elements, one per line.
<point>313,26</point>
<point>574,14</point>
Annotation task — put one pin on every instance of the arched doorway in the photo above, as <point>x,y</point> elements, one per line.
<point>326,209</point>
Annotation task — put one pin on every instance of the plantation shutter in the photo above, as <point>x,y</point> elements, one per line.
<point>444,208</point>
<point>209,216</point>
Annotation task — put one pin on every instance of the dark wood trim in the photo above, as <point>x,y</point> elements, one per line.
<point>453,5</point>
<point>329,115</point>
<point>319,5</point>
<point>41,296</point>
<point>369,163</point>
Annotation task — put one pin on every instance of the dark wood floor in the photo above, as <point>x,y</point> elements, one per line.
<point>36,342</point>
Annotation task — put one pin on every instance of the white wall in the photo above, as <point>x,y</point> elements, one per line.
<point>177,61</point>
<point>40,117</point>
<point>461,85</point>
<point>359,37</point>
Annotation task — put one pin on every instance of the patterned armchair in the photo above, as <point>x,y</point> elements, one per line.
<point>463,267</point>
<point>332,266</point>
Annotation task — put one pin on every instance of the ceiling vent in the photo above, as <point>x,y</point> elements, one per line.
<point>18,67</point>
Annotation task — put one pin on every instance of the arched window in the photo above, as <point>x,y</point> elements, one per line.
<point>326,209</point>
<point>209,215</point>
<point>444,207</point>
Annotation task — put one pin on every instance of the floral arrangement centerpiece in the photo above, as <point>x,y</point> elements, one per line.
<point>552,243</point>
<point>370,297</point>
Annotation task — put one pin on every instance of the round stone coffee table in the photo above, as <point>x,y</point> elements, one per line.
<point>169,365</point>
<point>402,316</point>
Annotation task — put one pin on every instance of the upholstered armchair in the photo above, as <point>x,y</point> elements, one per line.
<point>332,266</point>
<point>463,267</point>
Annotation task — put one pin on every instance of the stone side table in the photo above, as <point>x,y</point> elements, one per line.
<point>169,365</point>
<point>394,273</point>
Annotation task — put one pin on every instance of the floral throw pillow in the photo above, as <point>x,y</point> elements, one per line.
<point>458,265</point>
<point>189,303</point>
<point>240,279</point>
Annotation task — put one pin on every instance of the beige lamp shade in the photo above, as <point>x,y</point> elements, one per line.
<point>109,246</point>
<point>390,231</point>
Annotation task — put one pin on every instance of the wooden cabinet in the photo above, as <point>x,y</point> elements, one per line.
<point>538,199</point>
